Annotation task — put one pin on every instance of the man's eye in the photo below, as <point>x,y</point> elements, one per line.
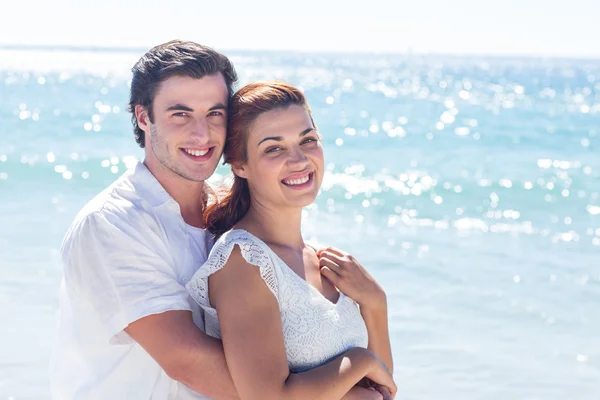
<point>180,114</point>
<point>216,114</point>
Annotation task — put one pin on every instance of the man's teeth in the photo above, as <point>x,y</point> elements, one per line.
<point>297,181</point>
<point>196,153</point>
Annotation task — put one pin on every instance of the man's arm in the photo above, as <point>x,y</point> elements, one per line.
<point>186,353</point>
<point>128,279</point>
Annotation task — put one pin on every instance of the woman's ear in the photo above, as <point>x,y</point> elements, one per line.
<point>240,170</point>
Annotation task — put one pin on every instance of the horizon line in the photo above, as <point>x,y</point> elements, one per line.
<point>140,49</point>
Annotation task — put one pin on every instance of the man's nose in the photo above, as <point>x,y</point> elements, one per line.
<point>200,130</point>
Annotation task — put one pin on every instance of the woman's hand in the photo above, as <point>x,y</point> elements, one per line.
<point>362,393</point>
<point>375,387</point>
<point>349,276</point>
<point>380,379</point>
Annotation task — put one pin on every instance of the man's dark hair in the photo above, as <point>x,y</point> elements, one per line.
<point>174,58</point>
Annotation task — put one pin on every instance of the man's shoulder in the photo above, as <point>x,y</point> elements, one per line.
<point>121,199</point>
<point>122,204</point>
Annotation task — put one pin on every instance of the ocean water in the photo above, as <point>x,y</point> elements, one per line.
<point>469,186</point>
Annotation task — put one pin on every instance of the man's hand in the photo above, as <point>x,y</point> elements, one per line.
<point>348,275</point>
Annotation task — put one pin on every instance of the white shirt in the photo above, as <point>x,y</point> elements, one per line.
<point>127,255</point>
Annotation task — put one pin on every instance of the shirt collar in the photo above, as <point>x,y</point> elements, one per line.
<point>148,186</point>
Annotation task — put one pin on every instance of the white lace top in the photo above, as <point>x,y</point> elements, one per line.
<point>314,329</point>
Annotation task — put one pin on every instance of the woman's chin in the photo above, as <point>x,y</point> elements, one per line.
<point>302,201</point>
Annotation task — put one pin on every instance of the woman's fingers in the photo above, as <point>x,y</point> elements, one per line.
<point>385,393</point>
<point>327,262</point>
<point>333,250</point>
<point>330,275</point>
<point>372,394</point>
<point>360,393</point>
<point>341,258</point>
<point>331,256</point>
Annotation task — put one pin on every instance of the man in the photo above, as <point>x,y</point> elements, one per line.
<point>128,328</point>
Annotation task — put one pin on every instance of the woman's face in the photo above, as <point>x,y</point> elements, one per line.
<point>285,159</point>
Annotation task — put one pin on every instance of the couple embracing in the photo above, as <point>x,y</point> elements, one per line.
<point>174,290</point>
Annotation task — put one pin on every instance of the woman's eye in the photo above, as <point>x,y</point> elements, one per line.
<point>272,149</point>
<point>309,140</point>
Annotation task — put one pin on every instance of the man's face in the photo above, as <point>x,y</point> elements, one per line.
<point>188,132</point>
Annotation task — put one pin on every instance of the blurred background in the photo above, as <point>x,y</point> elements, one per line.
<point>462,147</point>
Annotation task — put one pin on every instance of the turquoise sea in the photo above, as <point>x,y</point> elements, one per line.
<point>469,186</point>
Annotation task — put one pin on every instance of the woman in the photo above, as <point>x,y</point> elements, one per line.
<point>287,333</point>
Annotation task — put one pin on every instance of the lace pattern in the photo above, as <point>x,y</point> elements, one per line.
<point>314,329</point>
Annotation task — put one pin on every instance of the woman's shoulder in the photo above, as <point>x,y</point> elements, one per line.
<point>244,252</point>
<point>235,247</point>
<point>239,237</point>
<point>251,248</point>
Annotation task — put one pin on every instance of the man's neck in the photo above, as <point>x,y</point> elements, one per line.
<point>190,195</point>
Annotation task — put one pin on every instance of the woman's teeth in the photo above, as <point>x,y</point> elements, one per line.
<point>196,153</point>
<point>297,181</point>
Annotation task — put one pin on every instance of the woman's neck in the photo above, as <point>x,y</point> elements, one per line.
<point>280,227</point>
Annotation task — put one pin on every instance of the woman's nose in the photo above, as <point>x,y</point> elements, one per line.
<point>297,156</point>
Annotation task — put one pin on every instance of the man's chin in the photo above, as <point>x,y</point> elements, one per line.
<point>197,178</point>
<point>195,172</point>
<point>178,172</point>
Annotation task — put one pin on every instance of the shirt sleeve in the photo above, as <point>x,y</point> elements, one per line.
<point>122,268</point>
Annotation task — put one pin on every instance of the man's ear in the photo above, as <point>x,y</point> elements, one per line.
<point>240,170</point>
<point>143,120</point>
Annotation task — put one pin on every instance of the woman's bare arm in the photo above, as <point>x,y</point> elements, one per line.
<point>252,335</point>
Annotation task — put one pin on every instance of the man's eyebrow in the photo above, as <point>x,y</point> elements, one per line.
<point>279,138</point>
<point>179,107</point>
<point>218,106</point>
<point>183,107</point>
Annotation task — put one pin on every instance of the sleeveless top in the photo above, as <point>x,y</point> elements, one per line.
<point>315,329</point>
